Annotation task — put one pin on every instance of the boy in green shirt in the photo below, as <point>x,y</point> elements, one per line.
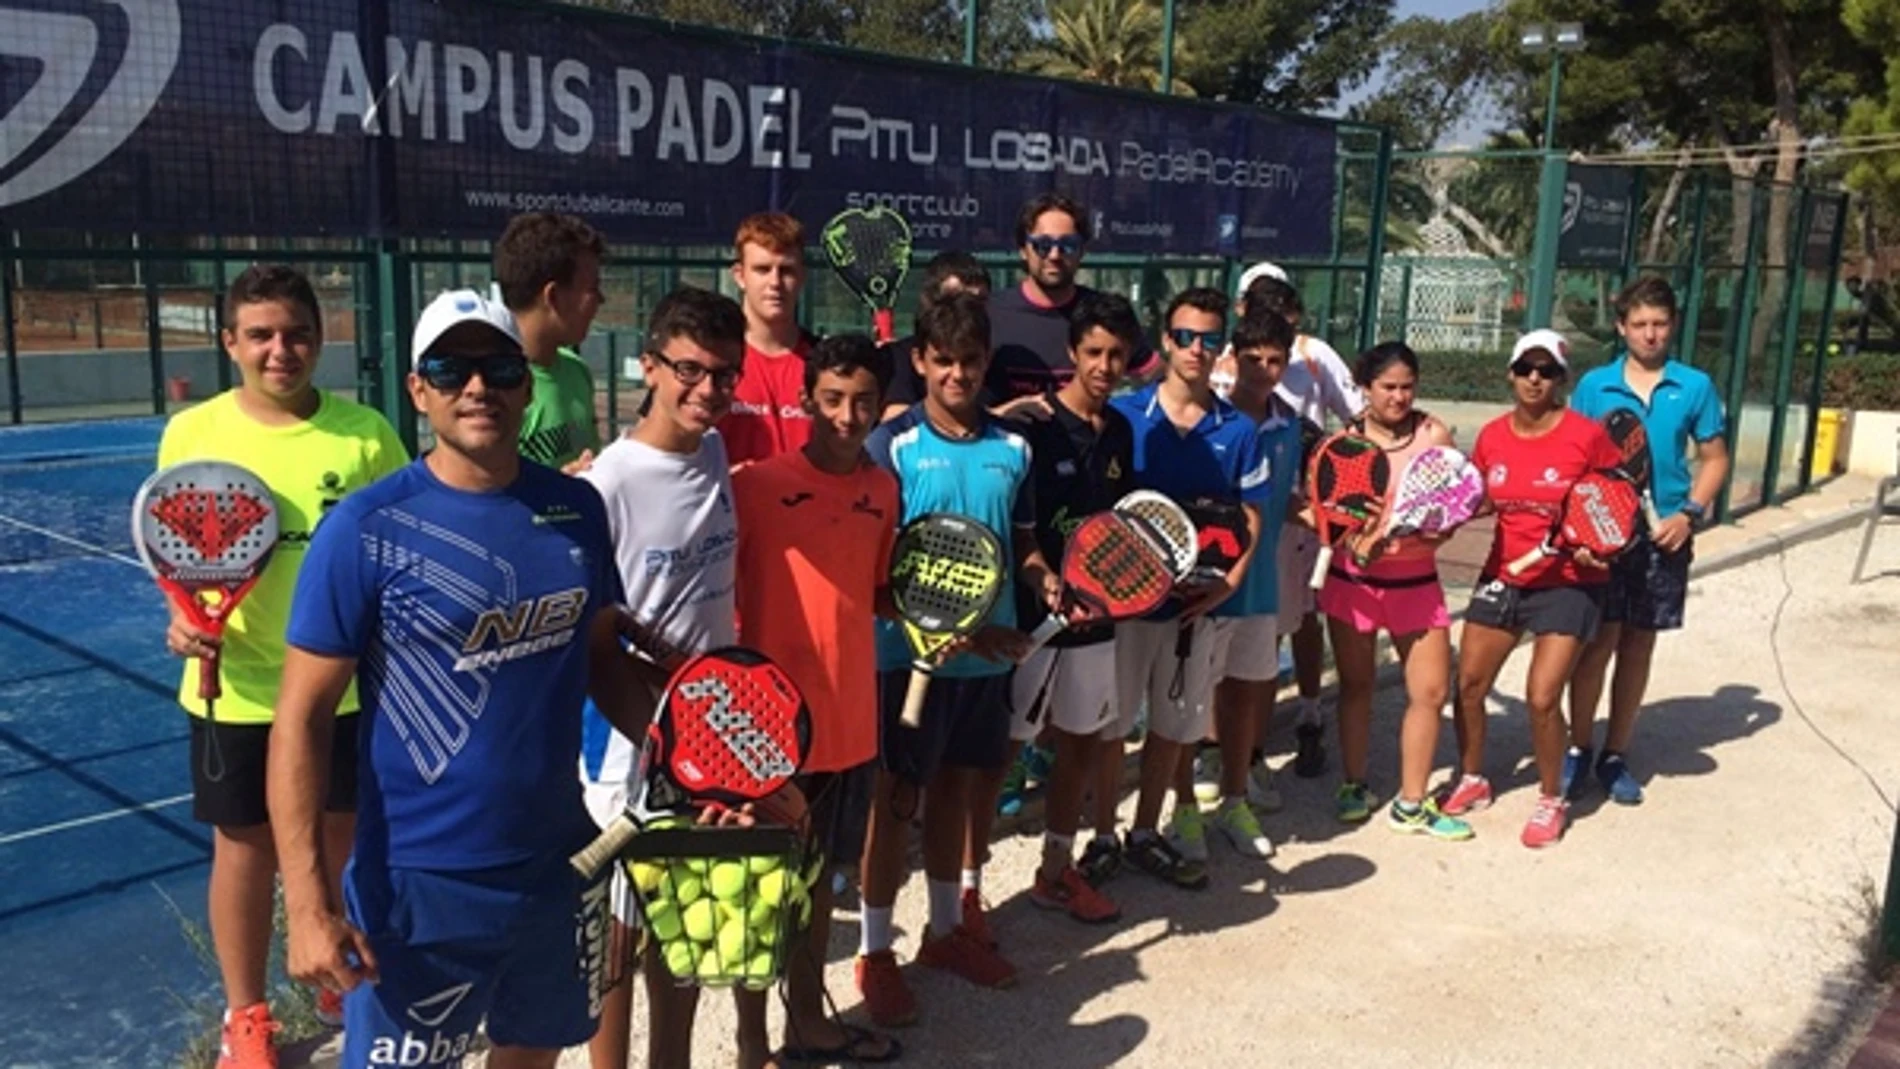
<point>547,267</point>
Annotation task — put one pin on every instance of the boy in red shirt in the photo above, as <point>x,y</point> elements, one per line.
<point>815,533</point>
<point>768,266</point>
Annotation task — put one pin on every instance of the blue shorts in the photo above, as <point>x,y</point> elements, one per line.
<point>1648,587</point>
<point>524,948</point>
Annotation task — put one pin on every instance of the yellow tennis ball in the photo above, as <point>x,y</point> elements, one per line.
<point>711,968</point>
<point>772,886</point>
<point>761,865</point>
<point>682,959</point>
<point>687,886</point>
<point>700,921</point>
<point>760,966</point>
<point>646,876</point>
<point>727,880</point>
<point>763,919</point>
<point>699,866</point>
<point>732,942</point>
<point>663,920</point>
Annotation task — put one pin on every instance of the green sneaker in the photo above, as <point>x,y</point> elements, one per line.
<point>1427,819</point>
<point>1236,821</point>
<point>1187,830</point>
<point>1353,803</point>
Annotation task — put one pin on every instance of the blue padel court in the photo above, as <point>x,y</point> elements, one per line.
<point>96,836</point>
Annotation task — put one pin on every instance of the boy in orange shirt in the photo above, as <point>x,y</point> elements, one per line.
<point>815,533</point>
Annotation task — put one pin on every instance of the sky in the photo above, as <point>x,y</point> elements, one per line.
<point>1470,133</point>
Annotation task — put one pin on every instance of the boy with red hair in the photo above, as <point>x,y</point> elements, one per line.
<point>768,266</point>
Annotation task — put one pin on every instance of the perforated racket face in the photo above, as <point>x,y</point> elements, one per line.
<point>204,523</point>
<point>1111,570</point>
<point>945,574</point>
<point>1600,513</point>
<point>1631,439</point>
<point>870,251</point>
<point>1170,523</point>
<point>1350,476</point>
<point>1439,489</point>
<point>1221,526</point>
<point>732,726</point>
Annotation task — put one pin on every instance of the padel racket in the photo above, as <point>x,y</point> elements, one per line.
<point>1169,524</point>
<point>1439,490</point>
<point>1221,539</point>
<point>1346,481</point>
<point>869,250</point>
<point>731,728</point>
<point>1111,570</point>
<point>1631,439</point>
<point>946,573</point>
<point>1598,514</point>
<point>205,530</point>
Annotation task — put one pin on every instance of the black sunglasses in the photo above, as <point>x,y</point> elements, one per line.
<point>1211,340</point>
<point>499,371</point>
<point>692,372</point>
<point>1549,372</point>
<point>1042,245</point>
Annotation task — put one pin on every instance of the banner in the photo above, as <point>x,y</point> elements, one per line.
<point>413,118</point>
<point>1598,203</point>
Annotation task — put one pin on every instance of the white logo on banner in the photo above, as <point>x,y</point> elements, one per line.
<point>65,47</point>
<point>1573,204</point>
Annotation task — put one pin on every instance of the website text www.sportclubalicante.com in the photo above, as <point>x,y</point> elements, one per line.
<point>576,203</point>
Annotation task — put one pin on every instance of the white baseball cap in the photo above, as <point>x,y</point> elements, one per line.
<point>453,308</point>
<point>1546,339</point>
<point>1263,269</point>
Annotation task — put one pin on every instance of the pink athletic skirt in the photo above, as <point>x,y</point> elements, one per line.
<point>1402,604</point>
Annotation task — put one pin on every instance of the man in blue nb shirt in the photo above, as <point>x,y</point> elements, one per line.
<point>474,597</point>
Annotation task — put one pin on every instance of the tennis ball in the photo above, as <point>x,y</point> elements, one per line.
<point>732,942</point>
<point>700,921</point>
<point>687,887</point>
<point>699,866</point>
<point>682,959</point>
<point>646,876</point>
<point>727,880</point>
<point>762,918</point>
<point>758,866</point>
<point>663,918</point>
<point>710,968</point>
<point>759,966</point>
<point>772,886</point>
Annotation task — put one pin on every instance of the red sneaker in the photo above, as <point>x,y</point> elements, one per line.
<point>246,1043</point>
<point>975,920</point>
<point>1468,795</point>
<point>962,953</point>
<point>1546,825</point>
<point>887,996</point>
<point>1072,893</point>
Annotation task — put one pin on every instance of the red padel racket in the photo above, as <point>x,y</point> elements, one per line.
<point>205,530</point>
<point>946,573</point>
<point>1439,490</point>
<point>1111,570</point>
<point>1598,514</point>
<point>1631,439</point>
<point>731,728</point>
<point>1346,481</point>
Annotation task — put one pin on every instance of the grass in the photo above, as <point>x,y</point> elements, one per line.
<point>292,1005</point>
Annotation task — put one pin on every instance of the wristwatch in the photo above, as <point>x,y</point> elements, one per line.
<point>1694,510</point>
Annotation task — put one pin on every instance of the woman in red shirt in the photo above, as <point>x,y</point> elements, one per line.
<point>1529,457</point>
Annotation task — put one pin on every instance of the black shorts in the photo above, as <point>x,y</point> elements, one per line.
<point>1648,587</point>
<point>965,724</point>
<point>236,799</point>
<point>840,810</point>
<point>1550,610</point>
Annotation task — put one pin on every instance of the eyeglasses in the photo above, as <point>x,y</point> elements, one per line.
<point>692,372</point>
<point>1524,369</point>
<point>499,371</point>
<point>1183,338</point>
<point>1042,245</point>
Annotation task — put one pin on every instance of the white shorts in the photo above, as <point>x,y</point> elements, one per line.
<point>604,802</point>
<point>1179,692</point>
<point>1246,648</point>
<point>1072,689</point>
<point>1298,552</point>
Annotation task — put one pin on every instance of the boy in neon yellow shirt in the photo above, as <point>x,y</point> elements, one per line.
<point>310,448</point>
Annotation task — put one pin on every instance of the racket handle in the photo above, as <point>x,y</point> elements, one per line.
<point>1523,563</point>
<point>1321,565</point>
<point>1051,626</point>
<point>1650,513</point>
<point>606,846</point>
<point>884,321</point>
<point>208,686</point>
<point>914,697</point>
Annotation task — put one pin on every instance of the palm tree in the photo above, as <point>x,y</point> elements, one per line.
<point>1109,42</point>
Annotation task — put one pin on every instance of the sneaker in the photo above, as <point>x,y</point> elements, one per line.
<point>964,954</point>
<point>1071,893</point>
<point>1101,860</point>
<point>1261,792</point>
<point>1039,762</point>
<point>1309,759</point>
<point>1614,773</point>
<point>1546,825</point>
<point>1427,819</point>
<point>1187,829</point>
<point>246,1039</point>
<point>1152,854</point>
<point>1237,822</point>
<point>1353,803</point>
<point>1207,776</point>
<point>886,993</point>
<point>975,920</point>
<point>1009,801</point>
<point>1576,763</point>
<point>329,1008</point>
<point>1468,795</point>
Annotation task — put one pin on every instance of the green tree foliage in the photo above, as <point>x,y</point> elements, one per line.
<point>1110,42</point>
<point>1876,24</point>
<point>921,29</point>
<point>1437,73</point>
<point>1290,55</point>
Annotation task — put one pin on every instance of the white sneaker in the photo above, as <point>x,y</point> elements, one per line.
<point>1242,828</point>
<point>1207,776</point>
<point>1261,793</point>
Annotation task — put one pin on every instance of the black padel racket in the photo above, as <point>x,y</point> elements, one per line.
<point>731,728</point>
<point>1631,439</point>
<point>869,250</point>
<point>1112,569</point>
<point>1170,523</point>
<point>205,530</point>
<point>946,572</point>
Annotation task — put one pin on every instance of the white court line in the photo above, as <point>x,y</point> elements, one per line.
<point>71,541</point>
<point>114,814</point>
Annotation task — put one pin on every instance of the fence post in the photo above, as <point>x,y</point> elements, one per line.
<point>1733,391</point>
<point>613,385</point>
<point>1819,375</point>
<point>1375,244</point>
<point>154,337</point>
<point>217,315</point>
<point>1794,283</point>
<point>16,411</point>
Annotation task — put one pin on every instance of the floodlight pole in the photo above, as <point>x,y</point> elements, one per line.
<point>1167,47</point>
<point>1550,186</point>
<point>970,12</point>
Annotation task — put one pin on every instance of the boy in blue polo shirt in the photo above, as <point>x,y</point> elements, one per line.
<point>1188,443</point>
<point>1648,584</point>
